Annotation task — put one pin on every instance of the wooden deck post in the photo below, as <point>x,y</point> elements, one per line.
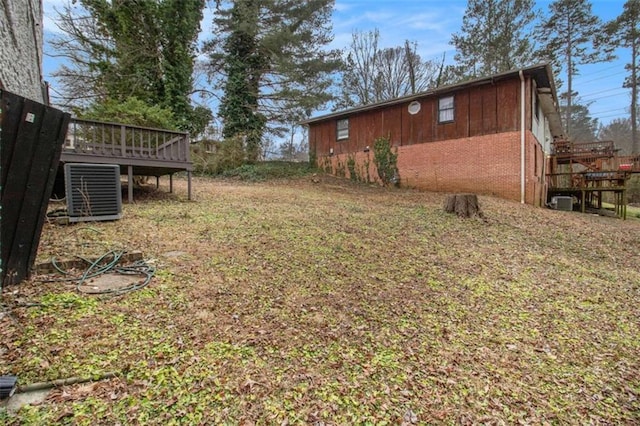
<point>189,185</point>
<point>171,183</point>
<point>130,183</point>
<point>157,182</point>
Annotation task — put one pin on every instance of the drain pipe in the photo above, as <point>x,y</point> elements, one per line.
<point>522,144</point>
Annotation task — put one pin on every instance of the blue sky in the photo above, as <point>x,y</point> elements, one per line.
<point>430,23</point>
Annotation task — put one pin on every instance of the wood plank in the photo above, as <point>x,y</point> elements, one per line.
<point>390,124</point>
<point>15,187</point>
<point>508,105</point>
<point>490,110</point>
<point>10,106</point>
<point>58,122</point>
<point>37,133</point>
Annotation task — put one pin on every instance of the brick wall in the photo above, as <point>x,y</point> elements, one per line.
<point>21,48</point>
<point>488,164</point>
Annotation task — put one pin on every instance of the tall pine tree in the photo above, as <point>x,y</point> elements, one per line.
<point>619,131</point>
<point>624,31</point>
<point>568,35</point>
<point>494,37</point>
<point>243,65</point>
<point>270,60</point>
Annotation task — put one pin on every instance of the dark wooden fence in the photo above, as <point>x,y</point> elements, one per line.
<point>31,135</point>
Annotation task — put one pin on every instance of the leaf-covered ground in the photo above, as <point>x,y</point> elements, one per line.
<point>332,303</point>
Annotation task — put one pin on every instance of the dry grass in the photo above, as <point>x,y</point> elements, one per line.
<point>333,303</point>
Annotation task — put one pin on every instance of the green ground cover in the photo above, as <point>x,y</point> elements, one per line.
<point>320,301</point>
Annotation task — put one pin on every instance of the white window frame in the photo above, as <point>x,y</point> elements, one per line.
<point>342,129</point>
<point>446,109</point>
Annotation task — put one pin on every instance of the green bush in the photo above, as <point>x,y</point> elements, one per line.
<point>229,155</point>
<point>385,161</point>
<point>351,165</point>
<point>268,170</point>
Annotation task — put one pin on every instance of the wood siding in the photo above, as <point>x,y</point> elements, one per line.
<point>482,110</point>
<point>479,151</point>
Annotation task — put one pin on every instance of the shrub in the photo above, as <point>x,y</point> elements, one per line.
<point>385,161</point>
<point>268,170</point>
<point>229,154</point>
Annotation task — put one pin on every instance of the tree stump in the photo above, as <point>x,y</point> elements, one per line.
<point>463,205</point>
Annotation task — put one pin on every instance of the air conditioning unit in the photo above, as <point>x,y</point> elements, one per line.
<point>562,202</point>
<point>93,192</point>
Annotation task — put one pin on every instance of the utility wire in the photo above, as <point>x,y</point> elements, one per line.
<point>602,78</point>
<point>608,110</point>
<point>600,71</point>
<point>608,116</point>
<point>607,96</point>
<point>601,91</point>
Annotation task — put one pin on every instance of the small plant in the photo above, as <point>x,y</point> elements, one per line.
<point>351,165</point>
<point>385,161</point>
<point>326,166</point>
<point>341,169</point>
<point>313,159</point>
<point>366,165</point>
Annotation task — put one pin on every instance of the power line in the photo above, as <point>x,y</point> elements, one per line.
<point>602,78</point>
<point>601,91</point>
<point>604,97</point>
<point>608,110</point>
<point>608,116</point>
<point>600,71</point>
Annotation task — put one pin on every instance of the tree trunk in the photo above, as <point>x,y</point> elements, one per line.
<point>463,205</point>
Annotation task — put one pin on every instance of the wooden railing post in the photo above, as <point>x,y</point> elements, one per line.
<point>187,156</point>
<point>123,140</point>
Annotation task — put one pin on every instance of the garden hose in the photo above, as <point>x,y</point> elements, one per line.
<point>108,263</point>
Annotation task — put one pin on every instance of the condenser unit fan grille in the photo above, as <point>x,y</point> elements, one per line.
<point>93,192</point>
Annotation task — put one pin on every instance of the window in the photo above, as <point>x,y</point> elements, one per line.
<point>445,109</point>
<point>414,107</point>
<point>536,107</point>
<point>343,129</point>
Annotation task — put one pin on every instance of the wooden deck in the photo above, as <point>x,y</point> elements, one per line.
<point>588,170</point>
<point>137,150</point>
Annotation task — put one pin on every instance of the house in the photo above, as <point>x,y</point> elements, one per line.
<point>490,135</point>
<point>21,49</point>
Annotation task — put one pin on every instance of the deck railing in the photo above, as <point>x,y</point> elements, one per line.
<point>102,139</point>
<point>626,162</point>
<point>587,179</point>
<point>567,149</point>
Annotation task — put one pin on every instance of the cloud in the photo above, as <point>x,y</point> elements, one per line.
<point>425,22</point>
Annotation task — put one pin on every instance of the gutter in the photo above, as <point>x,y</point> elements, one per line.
<point>522,134</point>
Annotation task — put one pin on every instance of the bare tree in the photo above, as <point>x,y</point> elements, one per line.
<point>81,44</point>
<point>372,74</point>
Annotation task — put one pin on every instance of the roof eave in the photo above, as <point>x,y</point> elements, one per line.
<point>546,78</point>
